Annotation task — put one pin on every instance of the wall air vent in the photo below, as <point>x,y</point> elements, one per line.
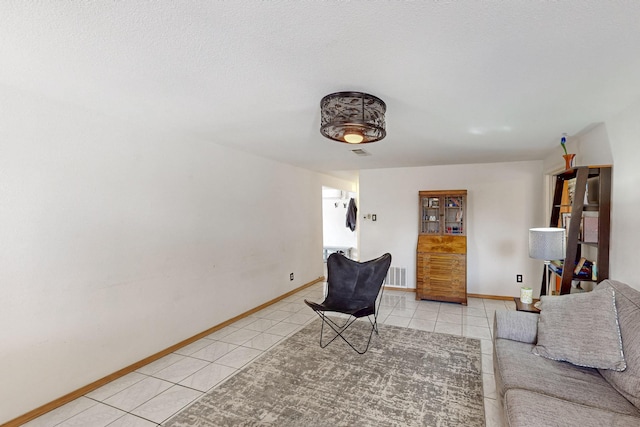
<point>396,276</point>
<point>361,152</point>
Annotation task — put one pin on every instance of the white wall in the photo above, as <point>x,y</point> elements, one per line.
<point>117,242</point>
<point>503,203</point>
<point>624,133</point>
<point>593,147</point>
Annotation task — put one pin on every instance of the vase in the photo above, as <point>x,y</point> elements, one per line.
<point>568,160</point>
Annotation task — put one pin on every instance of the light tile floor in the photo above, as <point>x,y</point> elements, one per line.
<point>154,393</point>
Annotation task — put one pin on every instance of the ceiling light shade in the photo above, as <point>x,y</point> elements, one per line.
<point>353,117</point>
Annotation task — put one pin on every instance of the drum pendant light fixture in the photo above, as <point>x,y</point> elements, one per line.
<point>352,117</point>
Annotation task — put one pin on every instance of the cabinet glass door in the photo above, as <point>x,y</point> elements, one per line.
<point>454,215</point>
<point>430,215</point>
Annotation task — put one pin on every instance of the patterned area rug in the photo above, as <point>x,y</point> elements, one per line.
<point>407,378</point>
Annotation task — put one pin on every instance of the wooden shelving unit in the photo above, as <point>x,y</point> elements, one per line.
<point>441,264</point>
<point>582,192</point>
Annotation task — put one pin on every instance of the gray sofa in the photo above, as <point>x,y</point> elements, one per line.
<point>538,391</point>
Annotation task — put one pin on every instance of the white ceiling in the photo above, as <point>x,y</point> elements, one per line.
<point>464,81</point>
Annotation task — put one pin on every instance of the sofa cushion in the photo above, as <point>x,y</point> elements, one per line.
<point>515,366</point>
<point>628,305</point>
<point>516,325</point>
<point>530,409</point>
<point>581,329</point>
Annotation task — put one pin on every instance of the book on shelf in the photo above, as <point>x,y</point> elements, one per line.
<point>566,222</point>
<point>556,266</point>
<point>584,269</point>
<point>585,272</point>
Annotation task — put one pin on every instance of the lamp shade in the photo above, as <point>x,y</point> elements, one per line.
<point>353,117</point>
<point>547,243</point>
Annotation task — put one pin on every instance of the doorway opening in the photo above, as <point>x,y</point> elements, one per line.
<point>336,235</point>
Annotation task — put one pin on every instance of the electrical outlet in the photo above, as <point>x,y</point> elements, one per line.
<point>374,217</point>
<point>291,276</point>
<point>519,278</point>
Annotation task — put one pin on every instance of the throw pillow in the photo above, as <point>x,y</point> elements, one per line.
<point>581,329</point>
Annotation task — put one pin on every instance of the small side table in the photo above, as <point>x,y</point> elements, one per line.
<point>520,306</point>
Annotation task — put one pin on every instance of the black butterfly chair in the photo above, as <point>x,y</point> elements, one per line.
<point>352,289</point>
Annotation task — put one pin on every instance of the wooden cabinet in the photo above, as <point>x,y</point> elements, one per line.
<point>441,261</point>
<point>582,204</point>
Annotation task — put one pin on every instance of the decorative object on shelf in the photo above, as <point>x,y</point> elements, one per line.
<point>568,158</point>
<point>526,295</point>
<point>548,244</point>
<point>353,117</point>
<point>590,229</point>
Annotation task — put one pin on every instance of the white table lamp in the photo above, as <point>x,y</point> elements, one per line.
<point>547,244</point>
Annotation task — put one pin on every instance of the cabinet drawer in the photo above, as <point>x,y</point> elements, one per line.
<point>442,244</point>
<point>441,277</point>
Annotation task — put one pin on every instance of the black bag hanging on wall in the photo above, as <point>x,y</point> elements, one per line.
<point>352,215</point>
